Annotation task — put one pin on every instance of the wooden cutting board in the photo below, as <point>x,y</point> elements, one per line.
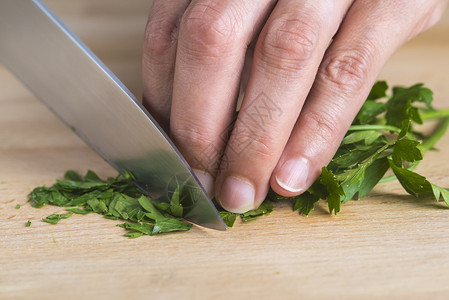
<point>388,244</point>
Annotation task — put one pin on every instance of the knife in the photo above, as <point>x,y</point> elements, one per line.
<point>62,72</point>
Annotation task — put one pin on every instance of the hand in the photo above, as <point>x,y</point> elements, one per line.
<point>311,68</point>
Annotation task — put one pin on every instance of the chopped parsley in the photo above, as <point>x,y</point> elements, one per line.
<point>55,218</point>
<point>115,198</point>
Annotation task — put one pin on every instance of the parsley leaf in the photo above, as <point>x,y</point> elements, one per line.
<point>400,105</point>
<point>265,208</point>
<point>412,182</point>
<point>379,90</point>
<point>305,203</point>
<point>78,210</point>
<point>373,174</point>
<point>228,218</point>
<point>72,175</point>
<point>407,150</point>
<point>175,208</point>
<point>437,191</point>
<point>55,218</point>
<point>334,189</point>
<point>162,223</point>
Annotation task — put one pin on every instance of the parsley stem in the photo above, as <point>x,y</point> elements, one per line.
<point>436,135</point>
<point>374,127</point>
<point>434,114</point>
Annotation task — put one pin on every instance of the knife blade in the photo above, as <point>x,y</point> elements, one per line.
<point>64,74</point>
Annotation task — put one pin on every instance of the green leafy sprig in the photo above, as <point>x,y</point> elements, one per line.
<point>382,137</point>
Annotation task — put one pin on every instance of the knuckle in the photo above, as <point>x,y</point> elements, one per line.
<point>322,126</point>
<point>254,145</point>
<point>209,31</point>
<point>198,147</point>
<point>160,36</point>
<point>190,136</point>
<point>348,71</point>
<point>288,44</point>
<point>263,148</point>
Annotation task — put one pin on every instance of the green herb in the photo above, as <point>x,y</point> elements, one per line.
<point>115,198</point>
<point>55,218</point>
<point>17,206</point>
<point>265,208</point>
<point>28,223</point>
<point>161,223</point>
<point>228,218</point>
<point>78,210</point>
<point>381,138</point>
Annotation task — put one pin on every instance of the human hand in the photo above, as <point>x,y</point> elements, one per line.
<point>313,65</point>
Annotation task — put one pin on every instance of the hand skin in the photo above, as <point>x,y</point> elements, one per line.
<point>307,67</point>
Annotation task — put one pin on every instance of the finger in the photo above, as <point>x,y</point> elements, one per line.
<point>212,43</point>
<point>370,33</point>
<point>159,54</point>
<point>287,55</point>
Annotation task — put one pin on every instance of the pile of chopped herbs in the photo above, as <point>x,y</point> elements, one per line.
<point>382,137</point>
<point>115,198</point>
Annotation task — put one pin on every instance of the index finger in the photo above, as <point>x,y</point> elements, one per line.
<point>211,49</point>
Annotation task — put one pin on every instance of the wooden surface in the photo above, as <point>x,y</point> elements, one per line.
<point>387,245</point>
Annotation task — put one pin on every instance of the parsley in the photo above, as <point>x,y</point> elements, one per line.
<point>265,208</point>
<point>28,223</point>
<point>17,206</point>
<point>115,198</point>
<point>382,137</point>
<point>55,218</point>
<point>228,218</point>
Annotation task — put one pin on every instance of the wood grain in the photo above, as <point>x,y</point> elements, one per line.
<point>387,245</point>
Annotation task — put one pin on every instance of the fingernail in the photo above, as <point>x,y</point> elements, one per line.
<point>207,181</point>
<point>292,176</point>
<point>237,195</point>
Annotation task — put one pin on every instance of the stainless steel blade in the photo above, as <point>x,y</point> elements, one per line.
<point>60,70</point>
